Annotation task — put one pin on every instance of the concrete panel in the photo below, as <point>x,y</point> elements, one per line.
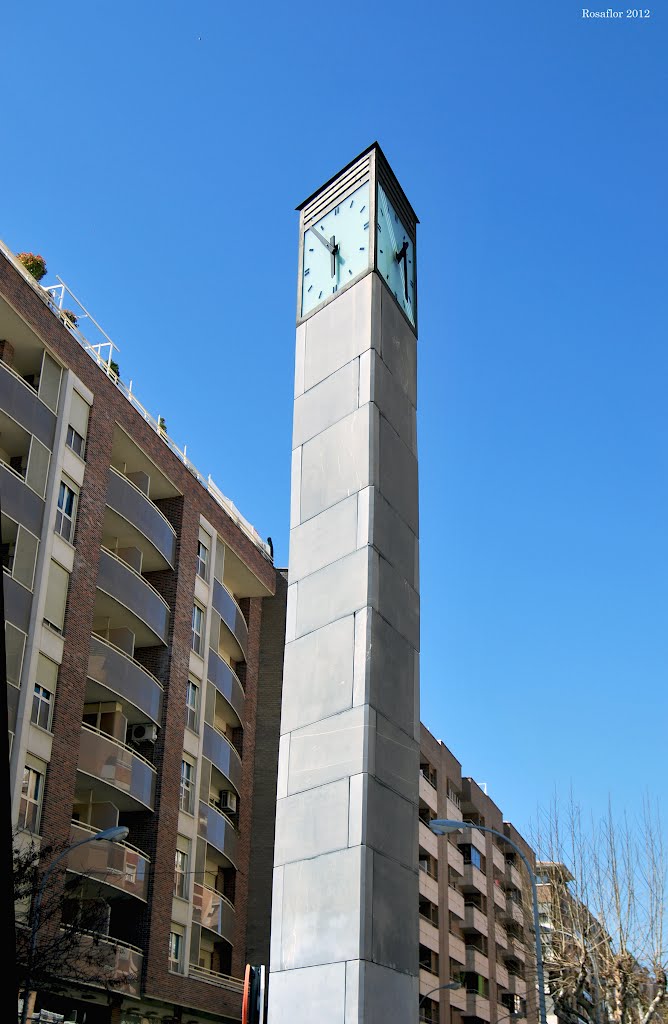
<point>393,403</point>
<point>326,403</point>
<point>312,823</point>
<point>318,675</point>
<point>365,515</point>
<point>398,347</point>
<point>400,603</point>
<point>384,995</point>
<point>395,899</point>
<point>384,669</point>
<point>283,764</point>
<point>398,475</point>
<point>324,539</point>
<point>333,592</point>
<point>295,488</point>
<point>394,540</point>
<point>336,463</point>
<point>331,749</point>
<point>397,759</point>
<point>323,901</point>
<point>276,937</point>
<point>300,349</point>
<point>309,995</point>
<point>338,333</point>
<point>291,613</point>
<point>391,824</point>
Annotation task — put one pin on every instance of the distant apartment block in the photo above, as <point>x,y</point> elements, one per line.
<point>475,909</point>
<point>133,599</point>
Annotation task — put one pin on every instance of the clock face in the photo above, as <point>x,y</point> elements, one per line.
<point>395,255</point>
<point>336,249</point>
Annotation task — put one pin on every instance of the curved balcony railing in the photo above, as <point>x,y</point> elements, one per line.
<point>131,503</point>
<point>218,749</point>
<point>22,403</point>
<point>129,588</point>
<point>118,766</point>
<point>218,830</point>
<point>117,864</point>
<point>216,978</point>
<point>213,911</point>
<point>226,682</point>
<point>19,501</point>
<point>231,614</point>
<point>118,962</point>
<point>111,667</point>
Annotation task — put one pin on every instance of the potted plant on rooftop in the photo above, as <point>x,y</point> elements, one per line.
<point>34,264</point>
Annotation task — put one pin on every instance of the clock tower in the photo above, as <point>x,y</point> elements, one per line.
<point>344,937</point>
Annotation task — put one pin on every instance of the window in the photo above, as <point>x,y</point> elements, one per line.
<point>65,513</point>
<point>471,855</point>
<point>187,794</point>
<point>181,874</point>
<point>202,560</point>
<point>41,707</point>
<point>428,959</point>
<point>75,441</point>
<point>192,705</point>
<point>175,951</point>
<point>31,799</point>
<point>198,621</point>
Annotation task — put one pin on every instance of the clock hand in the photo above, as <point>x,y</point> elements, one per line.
<point>331,246</point>
<point>399,256</point>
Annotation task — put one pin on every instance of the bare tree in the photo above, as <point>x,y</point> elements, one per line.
<point>603,915</point>
<point>68,931</point>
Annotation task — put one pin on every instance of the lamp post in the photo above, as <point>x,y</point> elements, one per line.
<point>442,827</point>
<point>116,834</point>
<point>450,984</point>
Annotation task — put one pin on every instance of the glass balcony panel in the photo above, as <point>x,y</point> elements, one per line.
<point>111,668</point>
<point>135,593</point>
<point>120,962</point>
<point>17,603</point>
<point>19,501</point>
<point>213,911</point>
<point>226,682</point>
<point>21,402</point>
<point>120,770</point>
<point>218,749</point>
<point>117,864</point>
<point>218,831</point>
<point>126,499</point>
<point>231,615</point>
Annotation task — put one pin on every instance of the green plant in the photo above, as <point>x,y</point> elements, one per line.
<point>162,426</point>
<point>113,366</point>
<point>69,315</point>
<point>34,264</point>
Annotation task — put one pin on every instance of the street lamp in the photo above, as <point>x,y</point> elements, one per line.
<point>116,834</point>
<point>450,984</point>
<point>442,827</point>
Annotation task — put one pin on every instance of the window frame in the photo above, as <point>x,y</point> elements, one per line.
<point>187,787</point>
<point>181,874</point>
<point>30,808</point>
<point>203,563</point>
<point>197,648</point>
<point>192,710</point>
<point>40,702</point>
<point>69,439</point>
<point>175,952</point>
<point>62,516</point>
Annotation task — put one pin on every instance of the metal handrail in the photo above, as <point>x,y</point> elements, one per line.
<point>224,980</point>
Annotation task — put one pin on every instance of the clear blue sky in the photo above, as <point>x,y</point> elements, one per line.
<point>154,154</point>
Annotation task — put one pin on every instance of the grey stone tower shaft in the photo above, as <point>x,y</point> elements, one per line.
<point>344,936</point>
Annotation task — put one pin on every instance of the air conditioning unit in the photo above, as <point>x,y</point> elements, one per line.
<point>144,732</point>
<point>228,801</point>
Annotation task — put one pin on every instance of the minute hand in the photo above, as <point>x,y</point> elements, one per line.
<point>330,246</point>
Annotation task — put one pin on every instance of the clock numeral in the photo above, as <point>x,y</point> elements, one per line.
<point>380,250</point>
<point>379,227</point>
<point>310,250</point>
<point>306,272</point>
<point>335,288</point>
<point>320,295</point>
<point>352,203</point>
<point>350,272</point>
<point>336,210</point>
<point>310,288</point>
<point>366,225</point>
<point>362,248</point>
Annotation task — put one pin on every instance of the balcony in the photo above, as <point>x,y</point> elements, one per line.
<point>20,401</point>
<point>456,902</point>
<point>500,934</point>
<point>477,961</point>
<point>19,501</point>
<point>458,999</point>
<point>120,962</point>
<point>213,911</point>
<point>453,809</point>
<point>218,749</point>
<point>513,875</point>
<point>499,895</point>
<point>474,879</point>
<point>475,920</point>
<point>137,522</point>
<point>457,949</point>
<point>515,950</point>
<point>514,911</point>
<point>18,601</point>
<point>124,777</point>
<point>226,682</point>
<point>225,981</point>
<point>428,794</point>
<point>455,857</point>
<point>501,975</point>
<point>428,841</point>
<point>113,670</point>
<point>119,865</point>
<point>517,985</point>
<point>233,622</point>
<point>498,859</point>
<point>219,831</point>
<point>477,1006</point>
<point>127,587</point>
<point>428,981</point>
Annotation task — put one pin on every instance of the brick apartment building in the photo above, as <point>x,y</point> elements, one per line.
<point>133,603</point>
<point>475,903</point>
